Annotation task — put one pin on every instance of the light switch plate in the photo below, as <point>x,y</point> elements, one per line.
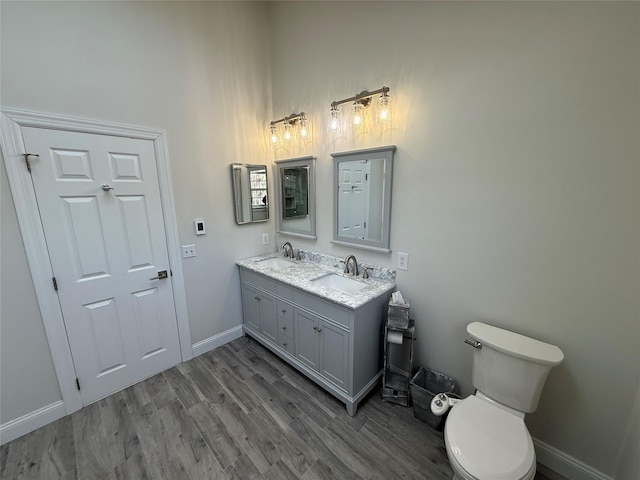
<point>188,251</point>
<point>265,239</point>
<point>402,261</point>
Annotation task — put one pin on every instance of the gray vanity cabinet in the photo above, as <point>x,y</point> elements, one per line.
<point>335,346</point>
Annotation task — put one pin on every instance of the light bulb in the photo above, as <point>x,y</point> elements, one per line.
<point>287,131</point>
<point>334,120</point>
<point>383,108</point>
<point>303,128</point>
<point>274,135</point>
<point>357,119</point>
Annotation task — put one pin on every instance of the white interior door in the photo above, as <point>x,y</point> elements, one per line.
<point>99,203</point>
<point>354,199</point>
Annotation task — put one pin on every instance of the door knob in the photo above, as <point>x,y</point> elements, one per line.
<point>106,187</point>
<point>161,274</point>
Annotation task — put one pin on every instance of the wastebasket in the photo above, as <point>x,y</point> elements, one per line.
<point>424,385</point>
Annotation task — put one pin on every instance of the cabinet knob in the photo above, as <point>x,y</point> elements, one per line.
<point>315,328</point>
<point>284,327</point>
<point>319,330</point>
<point>284,310</point>
<point>284,344</point>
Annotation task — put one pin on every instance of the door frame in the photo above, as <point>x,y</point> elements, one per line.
<point>11,122</point>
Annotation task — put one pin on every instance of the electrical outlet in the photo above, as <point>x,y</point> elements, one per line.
<point>265,239</point>
<point>188,251</point>
<point>402,261</point>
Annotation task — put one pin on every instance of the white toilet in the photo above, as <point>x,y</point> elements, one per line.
<point>485,433</point>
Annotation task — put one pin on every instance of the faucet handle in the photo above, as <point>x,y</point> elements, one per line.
<point>365,274</point>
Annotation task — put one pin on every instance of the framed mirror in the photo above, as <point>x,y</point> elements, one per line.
<point>296,193</point>
<point>362,198</point>
<point>250,193</point>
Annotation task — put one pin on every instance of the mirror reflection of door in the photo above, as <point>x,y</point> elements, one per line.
<point>354,198</point>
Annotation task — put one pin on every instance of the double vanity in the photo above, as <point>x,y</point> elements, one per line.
<point>325,323</point>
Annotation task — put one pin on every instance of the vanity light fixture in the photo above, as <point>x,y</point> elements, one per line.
<point>360,102</point>
<point>286,129</point>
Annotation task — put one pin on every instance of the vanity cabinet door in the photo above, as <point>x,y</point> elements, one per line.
<point>251,306</point>
<point>306,333</point>
<point>268,321</point>
<point>334,353</point>
<point>259,311</point>
<point>322,346</point>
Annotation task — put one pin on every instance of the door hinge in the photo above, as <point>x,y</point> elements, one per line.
<point>77,383</point>
<point>55,284</point>
<point>26,159</point>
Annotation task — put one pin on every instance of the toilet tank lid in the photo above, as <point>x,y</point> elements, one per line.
<point>515,344</point>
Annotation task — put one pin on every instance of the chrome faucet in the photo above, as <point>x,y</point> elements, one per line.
<point>354,271</point>
<point>288,249</point>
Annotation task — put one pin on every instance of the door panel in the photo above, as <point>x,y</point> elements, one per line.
<point>334,351</point>
<point>306,344</point>
<point>99,203</point>
<point>268,322</point>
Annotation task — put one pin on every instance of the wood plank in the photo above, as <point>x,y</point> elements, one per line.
<point>243,469</point>
<point>213,430</point>
<point>92,452</point>
<point>157,446</point>
<point>185,389</point>
<point>307,429</point>
<point>134,468</point>
<point>58,450</point>
<point>122,438</point>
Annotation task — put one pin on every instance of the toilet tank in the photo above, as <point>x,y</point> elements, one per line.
<point>511,368</point>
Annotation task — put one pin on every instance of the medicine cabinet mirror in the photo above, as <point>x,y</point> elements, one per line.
<point>250,194</point>
<point>362,198</point>
<point>295,184</point>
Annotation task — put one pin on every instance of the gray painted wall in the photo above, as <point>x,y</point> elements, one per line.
<point>516,180</point>
<point>200,71</point>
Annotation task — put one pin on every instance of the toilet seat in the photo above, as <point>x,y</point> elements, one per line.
<point>486,442</point>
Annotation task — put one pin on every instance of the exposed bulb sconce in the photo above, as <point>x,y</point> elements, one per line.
<point>360,102</point>
<point>286,129</point>
<point>334,125</point>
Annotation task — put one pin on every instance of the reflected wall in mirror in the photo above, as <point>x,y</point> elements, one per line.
<point>295,184</point>
<point>250,194</point>
<point>362,198</point>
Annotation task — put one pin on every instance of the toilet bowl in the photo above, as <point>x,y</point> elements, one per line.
<point>487,442</point>
<point>485,434</point>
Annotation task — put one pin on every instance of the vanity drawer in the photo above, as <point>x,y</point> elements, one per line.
<point>285,310</point>
<point>285,327</point>
<point>286,344</point>
<point>320,307</point>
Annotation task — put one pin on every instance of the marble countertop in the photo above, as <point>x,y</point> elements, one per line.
<point>302,273</point>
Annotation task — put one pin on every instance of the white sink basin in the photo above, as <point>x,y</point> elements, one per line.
<point>275,263</point>
<point>342,284</point>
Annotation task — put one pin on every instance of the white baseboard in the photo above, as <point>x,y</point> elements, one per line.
<point>216,341</point>
<point>31,421</point>
<point>564,464</point>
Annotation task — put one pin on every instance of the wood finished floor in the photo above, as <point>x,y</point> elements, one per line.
<point>237,412</point>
